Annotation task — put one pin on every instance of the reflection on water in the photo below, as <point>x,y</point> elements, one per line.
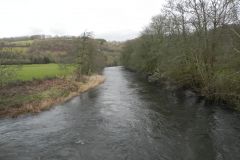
<point>124,118</point>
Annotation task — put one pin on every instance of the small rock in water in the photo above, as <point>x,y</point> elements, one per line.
<point>79,142</point>
<point>190,93</point>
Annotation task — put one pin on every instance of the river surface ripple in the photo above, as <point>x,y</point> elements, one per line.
<point>124,119</point>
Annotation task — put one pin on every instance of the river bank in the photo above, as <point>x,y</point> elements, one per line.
<point>36,96</point>
<point>187,90</point>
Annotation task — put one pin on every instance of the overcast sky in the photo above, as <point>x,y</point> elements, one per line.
<point>109,19</point>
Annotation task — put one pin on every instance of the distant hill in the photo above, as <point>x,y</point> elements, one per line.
<point>41,49</point>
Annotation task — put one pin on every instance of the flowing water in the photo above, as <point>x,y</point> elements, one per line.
<point>124,119</point>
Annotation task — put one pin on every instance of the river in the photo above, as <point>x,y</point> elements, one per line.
<point>125,118</point>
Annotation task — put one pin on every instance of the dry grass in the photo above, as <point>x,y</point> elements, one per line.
<point>72,88</point>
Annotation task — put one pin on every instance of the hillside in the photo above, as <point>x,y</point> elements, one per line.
<point>44,49</point>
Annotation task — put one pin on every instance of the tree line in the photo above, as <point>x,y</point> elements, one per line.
<point>192,43</point>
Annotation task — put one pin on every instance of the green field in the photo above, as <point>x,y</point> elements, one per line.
<point>41,71</point>
<point>23,42</point>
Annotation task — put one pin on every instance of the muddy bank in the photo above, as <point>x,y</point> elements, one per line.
<point>37,96</point>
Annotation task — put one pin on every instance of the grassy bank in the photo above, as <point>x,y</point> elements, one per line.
<point>41,71</point>
<point>17,74</point>
<point>35,96</point>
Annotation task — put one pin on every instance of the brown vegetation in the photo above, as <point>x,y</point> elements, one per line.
<point>36,96</point>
